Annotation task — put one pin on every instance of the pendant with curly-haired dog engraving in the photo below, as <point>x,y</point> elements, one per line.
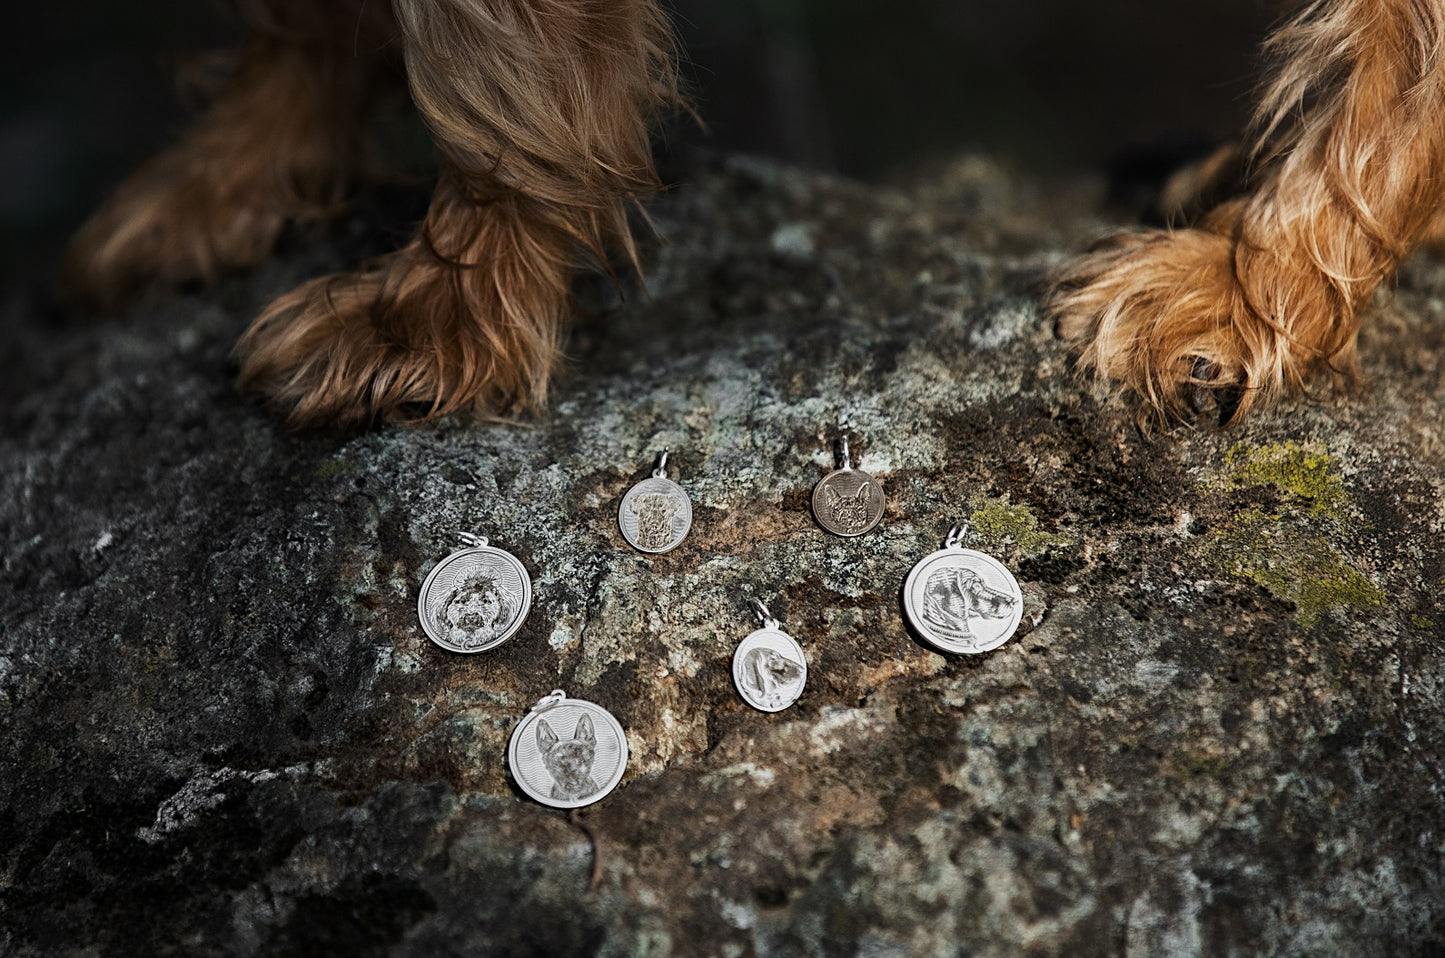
<point>848,501</point>
<point>475,599</point>
<point>960,600</point>
<point>656,514</point>
<point>567,752</point>
<point>769,668</point>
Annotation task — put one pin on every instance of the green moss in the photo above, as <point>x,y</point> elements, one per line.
<point>1307,474</point>
<point>1294,562</point>
<point>1422,621</point>
<point>331,468</point>
<point>997,522</point>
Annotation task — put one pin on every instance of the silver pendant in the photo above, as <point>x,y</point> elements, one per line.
<point>961,600</point>
<point>848,501</point>
<point>567,752</point>
<point>475,599</point>
<point>655,514</point>
<point>769,668</point>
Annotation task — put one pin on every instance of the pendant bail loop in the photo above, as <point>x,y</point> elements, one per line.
<point>956,535</point>
<point>477,542</point>
<point>660,472</point>
<point>764,615</point>
<point>843,448</point>
<point>552,699</point>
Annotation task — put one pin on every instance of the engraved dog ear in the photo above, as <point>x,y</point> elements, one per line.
<point>833,497</point>
<point>546,738</point>
<point>584,731</point>
<point>862,494</point>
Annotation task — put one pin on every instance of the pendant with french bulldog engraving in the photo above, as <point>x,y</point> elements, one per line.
<point>847,501</point>
<point>960,600</point>
<point>655,514</point>
<point>475,599</point>
<point>567,752</point>
<point>769,668</point>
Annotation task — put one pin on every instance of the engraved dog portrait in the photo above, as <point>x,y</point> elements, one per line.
<point>570,762</point>
<point>952,596</point>
<point>655,512</point>
<point>771,677</point>
<point>477,610</point>
<point>849,512</point>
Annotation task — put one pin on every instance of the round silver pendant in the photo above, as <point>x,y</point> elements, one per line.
<point>567,752</point>
<point>964,601</point>
<point>769,668</point>
<point>656,514</point>
<point>475,599</point>
<point>848,501</point>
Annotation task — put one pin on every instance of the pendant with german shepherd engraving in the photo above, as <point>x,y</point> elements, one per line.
<point>847,501</point>
<point>959,600</point>
<point>656,514</point>
<point>567,752</point>
<point>769,668</point>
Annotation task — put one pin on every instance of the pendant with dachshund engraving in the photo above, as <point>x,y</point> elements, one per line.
<point>848,501</point>
<point>960,600</point>
<point>475,599</point>
<point>769,668</point>
<point>567,752</point>
<point>655,514</point>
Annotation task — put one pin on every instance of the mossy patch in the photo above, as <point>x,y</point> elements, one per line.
<point>1423,622</point>
<point>999,522</point>
<point>1298,550</point>
<point>331,468</point>
<point>1305,474</point>
<point>1198,765</point>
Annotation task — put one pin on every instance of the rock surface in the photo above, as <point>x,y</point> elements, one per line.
<point>1219,729</point>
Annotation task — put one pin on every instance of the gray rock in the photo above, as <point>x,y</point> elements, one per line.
<point>1218,731</point>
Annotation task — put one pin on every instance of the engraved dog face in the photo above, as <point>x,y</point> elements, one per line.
<point>476,611</point>
<point>655,512</point>
<point>770,675</point>
<point>850,512</point>
<point>952,595</point>
<point>570,762</point>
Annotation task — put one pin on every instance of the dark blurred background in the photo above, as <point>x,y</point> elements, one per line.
<point>861,87</point>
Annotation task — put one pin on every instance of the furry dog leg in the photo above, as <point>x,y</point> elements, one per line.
<point>1349,171</point>
<point>280,142</point>
<point>540,110</point>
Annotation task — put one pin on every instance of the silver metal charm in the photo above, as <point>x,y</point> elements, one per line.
<point>567,752</point>
<point>847,501</point>
<point>961,600</point>
<point>475,599</point>
<point>655,514</point>
<point>769,668</point>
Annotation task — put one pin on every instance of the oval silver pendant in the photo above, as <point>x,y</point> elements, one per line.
<point>769,668</point>
<point>567,752</point>
<point>848,501</point>
<point>963,601</point>
<point>475,599</point>
<point>656,514</point>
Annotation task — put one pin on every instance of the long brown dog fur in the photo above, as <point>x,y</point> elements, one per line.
<point>1348,152</point>
<point>540,111</point>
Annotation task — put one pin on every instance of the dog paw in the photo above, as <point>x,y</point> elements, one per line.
<point>1165,314</point>
<point>185,216</point>
<point>408,338</point>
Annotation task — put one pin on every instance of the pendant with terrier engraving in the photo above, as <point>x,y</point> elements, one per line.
<point>769,668</point>
<point>655,514</point>
<point>848,501</point>
<point>475,599</point>
<point>567,752</point>
<point>960,600</point>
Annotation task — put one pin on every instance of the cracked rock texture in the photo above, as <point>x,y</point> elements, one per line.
<point>1218,731</point>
